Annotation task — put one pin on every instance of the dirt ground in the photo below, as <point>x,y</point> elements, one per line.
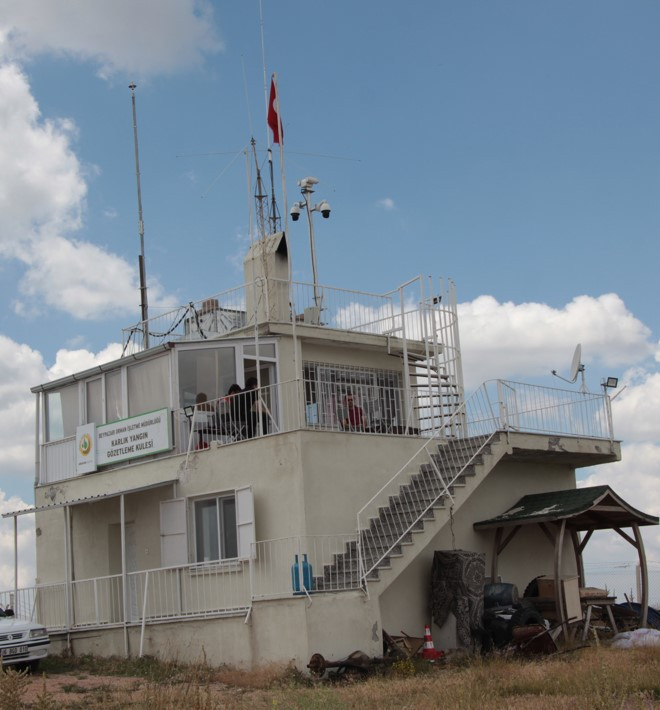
<point>80,689</point>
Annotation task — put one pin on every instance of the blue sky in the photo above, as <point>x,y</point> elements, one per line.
<point>513,146</point>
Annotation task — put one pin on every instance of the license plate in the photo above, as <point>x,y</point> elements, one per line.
<point>15,651</point>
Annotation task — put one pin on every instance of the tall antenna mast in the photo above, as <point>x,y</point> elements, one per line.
<point>144,307</point>
<point>260,196</point>
<point>274,215</point>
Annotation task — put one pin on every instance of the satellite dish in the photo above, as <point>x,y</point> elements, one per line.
<point>576,365</point>
<point>577,368</point>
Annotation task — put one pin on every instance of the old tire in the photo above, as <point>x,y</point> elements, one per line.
<point>532,589</point>
<point>526,617</point>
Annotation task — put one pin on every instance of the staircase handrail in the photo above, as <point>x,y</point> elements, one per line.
<point>503,414</point>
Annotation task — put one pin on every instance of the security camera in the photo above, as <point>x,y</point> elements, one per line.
<point>295,212</point>
<point>307,182</point>
<point>324,208</point>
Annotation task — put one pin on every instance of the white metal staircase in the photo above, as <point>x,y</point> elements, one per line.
<point>429,348</point>
<point>416,512</point>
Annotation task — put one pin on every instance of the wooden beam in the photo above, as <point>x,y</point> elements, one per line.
<point>627,537</point>
<point>645,576</point>
<point>495,553</point>
<point>578,557</point>
<point>507,539</point>
<point>547,533</point>
<point>559,596</point>
<point>585,540</point>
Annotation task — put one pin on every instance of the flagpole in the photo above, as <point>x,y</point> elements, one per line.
<point>280,135</point>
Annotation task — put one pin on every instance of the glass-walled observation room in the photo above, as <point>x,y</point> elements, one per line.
<point>171,378</point>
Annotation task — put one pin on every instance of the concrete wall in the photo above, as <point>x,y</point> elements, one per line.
<point>303,483</point>
<point>283,631</point>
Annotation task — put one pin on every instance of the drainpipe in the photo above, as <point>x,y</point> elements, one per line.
<point>37,448</point>
<point>122,525</point>
<point>15,563</point>
<point>67,570</point>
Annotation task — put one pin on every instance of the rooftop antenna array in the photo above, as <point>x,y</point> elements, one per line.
<point>577,368</point>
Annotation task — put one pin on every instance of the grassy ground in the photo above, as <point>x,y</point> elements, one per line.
<point>588,678</point>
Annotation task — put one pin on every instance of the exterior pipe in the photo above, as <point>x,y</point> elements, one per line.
<point>122,521</point>
<point>144,611</point>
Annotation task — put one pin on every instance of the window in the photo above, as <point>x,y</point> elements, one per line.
<point>93,392</point>
<point>207,370</point>
<point>376,392</point>
<point>62,413</point>
<point>113,397</point>
<point>148,386</point>
<point>215,529</point>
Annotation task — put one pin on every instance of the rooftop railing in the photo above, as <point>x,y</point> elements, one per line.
<point>236,308</point>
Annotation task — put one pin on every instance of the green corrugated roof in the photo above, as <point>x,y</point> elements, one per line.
<point>584,507</point>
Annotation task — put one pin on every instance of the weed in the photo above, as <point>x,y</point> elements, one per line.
<point>44,699</point>
<point>13,684</point>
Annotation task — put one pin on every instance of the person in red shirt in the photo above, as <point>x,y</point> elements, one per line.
<point>354,419</point>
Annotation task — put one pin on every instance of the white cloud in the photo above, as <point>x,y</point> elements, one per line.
<point>387,203</point>
<point>500,340</point>
<point>42,195</point>
<point>41,186</point>
<point>138,37</point>
<point>636,411</point>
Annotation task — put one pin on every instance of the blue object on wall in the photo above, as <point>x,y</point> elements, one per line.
<point>307,577</point>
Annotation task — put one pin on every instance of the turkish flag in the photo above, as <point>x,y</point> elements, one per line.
<point>274,114</point>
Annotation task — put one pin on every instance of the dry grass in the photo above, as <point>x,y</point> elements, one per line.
<point>590,678</point>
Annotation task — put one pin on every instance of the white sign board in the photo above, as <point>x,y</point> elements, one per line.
<point>131,438</point>
<point>86,449</point>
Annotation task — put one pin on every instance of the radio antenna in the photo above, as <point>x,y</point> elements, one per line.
<point>144,307</point>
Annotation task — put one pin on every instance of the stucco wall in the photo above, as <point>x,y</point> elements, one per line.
<point>303,483</point>
<point>283,631</point>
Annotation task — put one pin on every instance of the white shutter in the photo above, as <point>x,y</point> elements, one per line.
<point>245,523</point>
<point>173,533</point>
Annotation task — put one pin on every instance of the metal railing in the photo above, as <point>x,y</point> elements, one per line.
<point>278,569</point>
<point>58,460</point>
<point>306,565</point>
<point>310,404</point>
<point>222,313</point>
<point>231,310</point>
<point>388,519</point>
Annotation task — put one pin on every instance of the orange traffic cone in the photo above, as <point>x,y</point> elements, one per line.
<point>429,653</point>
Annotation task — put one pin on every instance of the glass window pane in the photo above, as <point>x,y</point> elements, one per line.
<point>206,530</point>
<point>62,413</point>
<point>148,386</point>
<point>229,535</point>
<point>267,350</point>
<point>94,404</point>
<point>207,370</point>
<point>54,426</point>
<point>113,404</point>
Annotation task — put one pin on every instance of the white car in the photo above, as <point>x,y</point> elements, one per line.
<point>22,641</point>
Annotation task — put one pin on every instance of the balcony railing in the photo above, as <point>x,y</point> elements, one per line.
<point>324,406</point>
<point>278,569</point>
